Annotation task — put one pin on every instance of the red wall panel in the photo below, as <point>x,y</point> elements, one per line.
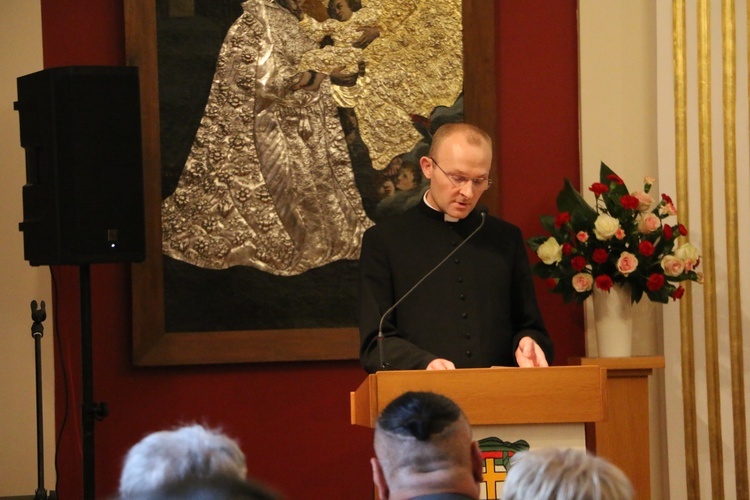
<point>538,133</point>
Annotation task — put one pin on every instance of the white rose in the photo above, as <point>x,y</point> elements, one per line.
<point>550,251</point>
<point>688,253</point>
<point>605,227</point>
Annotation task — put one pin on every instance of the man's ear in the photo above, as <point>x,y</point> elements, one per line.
<point>426,165</point>
<point>378,477</point>
<point>476,461</point>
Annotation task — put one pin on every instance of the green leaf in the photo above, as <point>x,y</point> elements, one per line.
<point>535,241</point>
<point>548,223</point>
<point>569,200</point>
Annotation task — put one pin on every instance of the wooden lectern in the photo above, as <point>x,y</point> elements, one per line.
<point>559,400</point>
<point>623,438</point>
<point>492,396</point>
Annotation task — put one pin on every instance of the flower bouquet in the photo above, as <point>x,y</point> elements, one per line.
<point>624,238</point>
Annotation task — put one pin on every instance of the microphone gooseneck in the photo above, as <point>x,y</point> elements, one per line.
<point>381,337</point>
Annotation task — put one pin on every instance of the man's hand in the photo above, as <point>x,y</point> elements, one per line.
<point>441,364</point>
<point>529,354</point>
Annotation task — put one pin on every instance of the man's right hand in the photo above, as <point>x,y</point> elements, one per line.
<point>441,364</point>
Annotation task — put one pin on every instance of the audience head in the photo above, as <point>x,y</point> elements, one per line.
<point>219,487</point>
<point>170,456</point>
<point>565,474</point>
<point>423,445</point>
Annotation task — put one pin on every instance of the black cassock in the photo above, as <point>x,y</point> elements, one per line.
<point>473,310</point>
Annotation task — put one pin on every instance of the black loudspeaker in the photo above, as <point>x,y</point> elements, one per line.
<point>83,197</point>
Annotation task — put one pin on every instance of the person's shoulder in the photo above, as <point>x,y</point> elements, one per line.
<point>398,221</point>
<point>502,225</point>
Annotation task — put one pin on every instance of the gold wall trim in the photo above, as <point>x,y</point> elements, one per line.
<point>709,266</point>
<point>729,74</point>
<point>687,349</point>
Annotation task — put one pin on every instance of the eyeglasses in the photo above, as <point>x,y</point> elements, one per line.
<point>480,183</point>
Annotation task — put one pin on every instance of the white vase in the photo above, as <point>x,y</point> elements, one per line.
<point>613,316</point>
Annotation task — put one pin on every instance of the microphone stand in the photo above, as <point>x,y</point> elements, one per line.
<point>38,315</point>
<point>380,338</point>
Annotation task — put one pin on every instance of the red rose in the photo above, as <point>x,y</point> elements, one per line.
<point>667,232</point>
<point>604,282</point>
<point>600,256</point>
<point>666,199</point>
<point>578,263</point>
<point>614,178</point>
<point>551,283</point>
<point>682,229</point>
<point>646,248</point>
<point>562,219</point>
<point>598,188</point>
<point>567,249</point>
<point>655,282</point>
<point>629,202</point>
<point>677,294</point>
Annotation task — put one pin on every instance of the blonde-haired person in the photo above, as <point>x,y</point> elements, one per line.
<point>565,474</point>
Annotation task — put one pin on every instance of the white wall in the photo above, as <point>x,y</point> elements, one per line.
<point>628,121</point>
<point>672,343</point>
<point>21,39</point>
<point>618,97</point>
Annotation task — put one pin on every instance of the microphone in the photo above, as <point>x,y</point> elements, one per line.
<point>380,338</point>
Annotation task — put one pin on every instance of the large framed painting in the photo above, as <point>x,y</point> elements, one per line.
<point>274,133</point>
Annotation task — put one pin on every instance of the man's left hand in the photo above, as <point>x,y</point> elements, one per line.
<point>529,354</point>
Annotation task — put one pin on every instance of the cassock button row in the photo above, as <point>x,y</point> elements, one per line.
<point>461,296</point>
<point>460,279</point>
<point>468,353</point>
<point>464,315</point>
<point>467,335</point>
<point>454,243</point>
<point>456,260</point>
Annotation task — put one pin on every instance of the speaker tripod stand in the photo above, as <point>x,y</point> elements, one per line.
<point>38,315</point>
<point>92,411</point>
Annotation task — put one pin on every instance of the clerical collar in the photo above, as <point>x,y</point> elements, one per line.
<point>446,217</point>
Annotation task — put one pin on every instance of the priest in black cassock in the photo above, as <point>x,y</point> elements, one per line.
<point>478,308</point>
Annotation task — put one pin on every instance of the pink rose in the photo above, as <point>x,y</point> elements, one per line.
<point>627,263</point>
<point>620,233</point>
<point>582,236</point>
<point>673,266</point>
<point>583,282</point>
<point>645,201</point>
<point>649,223</point>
